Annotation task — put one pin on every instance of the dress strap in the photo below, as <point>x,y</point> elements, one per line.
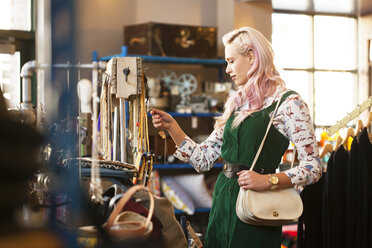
<point>284,96</point>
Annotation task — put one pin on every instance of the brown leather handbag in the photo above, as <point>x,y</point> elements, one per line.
<point>128,224</point>
<point>124,227</point>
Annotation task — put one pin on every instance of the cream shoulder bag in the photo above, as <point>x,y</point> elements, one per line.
<point>269,207</point>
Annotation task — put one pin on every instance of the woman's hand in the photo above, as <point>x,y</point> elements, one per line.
<point>164,121</point>
<point>161,120</point>
<point>253,180</point>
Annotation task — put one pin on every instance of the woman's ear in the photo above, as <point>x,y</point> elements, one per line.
<point>251,56</point>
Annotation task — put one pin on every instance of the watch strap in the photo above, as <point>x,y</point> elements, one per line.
<point>273,186</point>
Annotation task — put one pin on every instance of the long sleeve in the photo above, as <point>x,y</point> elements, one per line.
<point>201,156</point>
<point>294,121</point>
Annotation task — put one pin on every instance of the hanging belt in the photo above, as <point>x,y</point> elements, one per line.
<point>230,170</point>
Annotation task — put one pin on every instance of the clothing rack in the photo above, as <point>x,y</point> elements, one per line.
<point>350,116</point>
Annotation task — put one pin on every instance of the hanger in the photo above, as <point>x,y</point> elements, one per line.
<point>328,148</point>
<point>359,127</point>
<point>338,142</point>
<point>368,124</point>
<point>349,133</point>
<point>369,120</point>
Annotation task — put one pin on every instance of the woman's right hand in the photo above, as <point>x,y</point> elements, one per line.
<point>161,120</point>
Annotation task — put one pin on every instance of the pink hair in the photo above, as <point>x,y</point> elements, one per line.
<point>263,77</point>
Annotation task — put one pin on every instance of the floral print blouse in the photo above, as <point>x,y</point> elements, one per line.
<point>292,119</point>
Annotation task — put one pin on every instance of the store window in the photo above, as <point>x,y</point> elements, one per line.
<point>315,44</point>
<point>10,78</point>
<point>15,15</point>
<point>16,46</point>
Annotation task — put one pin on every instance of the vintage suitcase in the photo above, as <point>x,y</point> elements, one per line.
<point>159,39</point>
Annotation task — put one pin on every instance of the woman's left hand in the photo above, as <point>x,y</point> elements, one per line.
<point>253,180</point>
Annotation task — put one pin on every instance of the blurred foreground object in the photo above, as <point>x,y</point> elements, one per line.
<point>19,146</point>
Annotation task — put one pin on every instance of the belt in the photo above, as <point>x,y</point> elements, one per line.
<point>230,170</point>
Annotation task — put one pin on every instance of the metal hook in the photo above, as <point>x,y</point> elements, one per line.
<point>126,72</point>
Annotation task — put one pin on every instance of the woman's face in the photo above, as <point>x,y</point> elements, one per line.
<point>237,65</point>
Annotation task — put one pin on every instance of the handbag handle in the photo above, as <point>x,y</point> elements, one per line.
<point>264,138</point>
<point>124,199</point>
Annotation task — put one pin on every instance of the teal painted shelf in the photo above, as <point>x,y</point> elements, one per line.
<point>198,210</point>
<point>176,114</point>
<point>179,166</point>
<point>168,60</point>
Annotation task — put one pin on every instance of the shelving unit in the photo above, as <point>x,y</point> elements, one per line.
<point>217,63</point>
<point>168,60</point>
<point>198,210</point>
<point>179,166</point>
<point>175,114</point>
<point>184,165</point>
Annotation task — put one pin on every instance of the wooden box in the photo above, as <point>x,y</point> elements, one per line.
<point>159,39</point>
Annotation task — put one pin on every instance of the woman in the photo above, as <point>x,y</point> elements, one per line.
<point>237,135</point>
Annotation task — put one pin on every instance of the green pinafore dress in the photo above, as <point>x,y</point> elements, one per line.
<point>240,145</point>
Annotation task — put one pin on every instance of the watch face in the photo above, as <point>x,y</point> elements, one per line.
<point>274,179</point>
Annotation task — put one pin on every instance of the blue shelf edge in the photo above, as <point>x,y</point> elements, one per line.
<point>179,166</point>
<point>173,60</point>
<point>198,210</point>
<point>176,114</point>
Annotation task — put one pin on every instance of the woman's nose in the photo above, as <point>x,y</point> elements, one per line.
<point>228,69</point>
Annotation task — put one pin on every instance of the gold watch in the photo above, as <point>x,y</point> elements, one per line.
<point>274,181</point>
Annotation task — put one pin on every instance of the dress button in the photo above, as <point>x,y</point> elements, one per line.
<point>224,166</point>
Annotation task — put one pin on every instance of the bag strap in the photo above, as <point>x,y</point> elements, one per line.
<point>284,96</point>
<point>124,199</point>
<point>267,131</point>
